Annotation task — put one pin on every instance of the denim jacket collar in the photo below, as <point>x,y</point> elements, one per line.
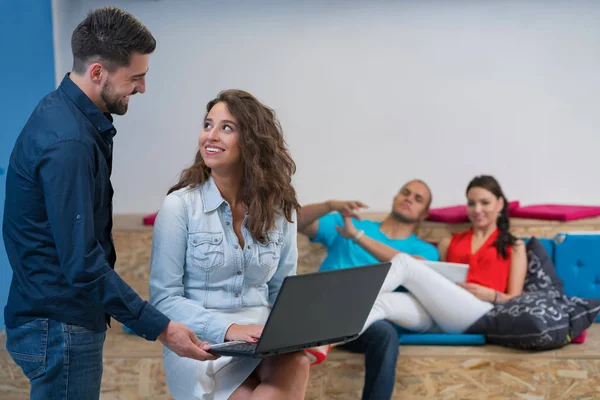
<point>211,196</point>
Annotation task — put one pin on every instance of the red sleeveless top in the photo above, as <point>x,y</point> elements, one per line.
<point>486,266</point>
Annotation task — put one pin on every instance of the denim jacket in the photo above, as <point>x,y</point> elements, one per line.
<point>198,266</point>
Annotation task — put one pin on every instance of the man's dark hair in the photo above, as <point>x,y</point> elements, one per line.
<point>109,35</point>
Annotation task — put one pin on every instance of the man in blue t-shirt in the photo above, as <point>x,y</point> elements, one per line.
<point>322,223</point>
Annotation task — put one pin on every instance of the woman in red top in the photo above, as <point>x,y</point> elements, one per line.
<point>495,275</point>
<point>497,267</point>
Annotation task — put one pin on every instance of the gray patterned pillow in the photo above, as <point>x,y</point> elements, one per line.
<point>540,320</point>
<point>541,274</point>
<point>582,313</point>
<point>534,320</point>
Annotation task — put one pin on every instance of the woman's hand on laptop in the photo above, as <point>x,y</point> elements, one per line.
<point>246,333</point>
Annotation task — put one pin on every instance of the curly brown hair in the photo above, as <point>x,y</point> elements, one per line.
<point>266,187</point>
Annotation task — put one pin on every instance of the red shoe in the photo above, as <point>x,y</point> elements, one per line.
<point>316,356</point>
<point>580,339</point>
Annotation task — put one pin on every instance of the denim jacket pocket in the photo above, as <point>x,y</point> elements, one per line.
<point>270,251</point>
<point>27,345</point>
<point>207,250</point>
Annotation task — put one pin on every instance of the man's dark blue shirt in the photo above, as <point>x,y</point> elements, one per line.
<point>58,221</point>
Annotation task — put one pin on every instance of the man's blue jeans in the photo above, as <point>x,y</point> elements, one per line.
<point>62,361</point>
<point>379,343</point>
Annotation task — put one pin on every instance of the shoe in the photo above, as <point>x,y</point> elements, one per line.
<point>315,356</point>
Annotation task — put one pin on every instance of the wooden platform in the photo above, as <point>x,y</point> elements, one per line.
<point>133,370</point>
<point>133,366</point>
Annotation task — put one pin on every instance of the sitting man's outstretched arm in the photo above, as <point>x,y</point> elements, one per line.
<point>308,217</point>
<point>380,251</point>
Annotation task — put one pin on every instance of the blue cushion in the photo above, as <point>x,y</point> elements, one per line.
<point>441,339</point>
<point>577,261</point>
<point>408,337</point>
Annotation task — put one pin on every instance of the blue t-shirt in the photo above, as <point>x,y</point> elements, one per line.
<point>344,253</point>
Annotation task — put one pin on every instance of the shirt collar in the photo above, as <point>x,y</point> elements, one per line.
<point>211,196</point>
<point>102,122</point>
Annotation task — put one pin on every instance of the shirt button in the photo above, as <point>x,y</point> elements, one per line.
<point>195,242</point>
<point>235,247</point>
<point>248,247</point>
<point>239,272</point>
<point>215,240</point>
<point>227,223</point>
<point>237,295</point>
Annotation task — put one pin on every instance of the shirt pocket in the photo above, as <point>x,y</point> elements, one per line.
<point>207,252</point>
<point>270,251</point>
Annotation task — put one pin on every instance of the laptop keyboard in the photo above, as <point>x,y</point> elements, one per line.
<point>239,346</point>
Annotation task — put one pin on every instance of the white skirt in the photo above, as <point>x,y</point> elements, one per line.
<point>218,379</point>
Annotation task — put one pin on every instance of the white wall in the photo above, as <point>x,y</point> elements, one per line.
<point>371,94</point>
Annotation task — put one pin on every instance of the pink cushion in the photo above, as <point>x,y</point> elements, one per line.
<point>451,215</point>
<point>580,339</point>
<point>556,212</point>
<point>458,214</point>
<point>149,219</point>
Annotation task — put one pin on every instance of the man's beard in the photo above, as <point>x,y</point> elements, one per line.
<point>403,218</point>
<point>114,104</point>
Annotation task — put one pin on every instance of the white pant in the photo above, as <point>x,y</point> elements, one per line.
<point>433,300</point>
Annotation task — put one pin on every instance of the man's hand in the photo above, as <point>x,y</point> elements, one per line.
<point>247,333</point>
<point>348,230</point>
<point>346,208</point>
<point>184,342</point>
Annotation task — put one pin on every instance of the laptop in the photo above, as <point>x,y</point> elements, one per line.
<point>313,310</point>
<point>455,272</point>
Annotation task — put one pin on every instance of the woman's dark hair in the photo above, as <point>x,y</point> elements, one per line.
<point>109,35</point>
<point>268,167</point>
<point>505,238</point>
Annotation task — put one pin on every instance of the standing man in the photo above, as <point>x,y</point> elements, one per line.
<point>324,223</point>
<point>58,219</point>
